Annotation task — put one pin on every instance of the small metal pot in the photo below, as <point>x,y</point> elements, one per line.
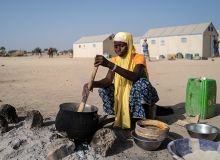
<point>144,143</point>
<point>202,131</point>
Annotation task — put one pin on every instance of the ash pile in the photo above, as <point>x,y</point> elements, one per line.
<point>30,136</point>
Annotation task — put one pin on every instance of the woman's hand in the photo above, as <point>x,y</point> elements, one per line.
<point>101,60</point>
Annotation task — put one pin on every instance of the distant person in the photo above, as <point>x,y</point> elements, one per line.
<point>145,49</point>
<point>216,48</point>
<point>50,52</point>
<point>39,53</point>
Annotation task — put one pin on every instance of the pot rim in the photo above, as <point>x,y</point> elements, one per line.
<point>62,107</point>
<point>187,126</point>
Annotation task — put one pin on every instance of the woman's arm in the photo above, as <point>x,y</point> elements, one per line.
<point>105,82</point>
<point>132,76</point>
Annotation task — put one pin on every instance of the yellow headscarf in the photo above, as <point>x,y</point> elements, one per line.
<point>123,85</point>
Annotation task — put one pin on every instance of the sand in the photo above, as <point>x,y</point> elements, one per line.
<point>43,84</point>
<point>203,155</point>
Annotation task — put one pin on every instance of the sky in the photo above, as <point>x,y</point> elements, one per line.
<point>27,24</point>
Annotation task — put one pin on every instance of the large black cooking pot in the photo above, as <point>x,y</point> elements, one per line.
<point>78,125</point>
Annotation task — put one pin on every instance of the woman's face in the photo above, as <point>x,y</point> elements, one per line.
<point>121,48</point>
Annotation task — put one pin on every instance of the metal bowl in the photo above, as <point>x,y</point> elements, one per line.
<point>144,143</point>
<point>202,131</point>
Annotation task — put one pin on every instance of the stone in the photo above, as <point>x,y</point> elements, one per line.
<point>60,149</point>
<point>17,143</point>
<point>102,141</point>
<point>3,125</point>
<point>9,113</point>
<point>34,119</point>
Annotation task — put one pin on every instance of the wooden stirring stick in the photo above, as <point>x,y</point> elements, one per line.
<point>84,99</point>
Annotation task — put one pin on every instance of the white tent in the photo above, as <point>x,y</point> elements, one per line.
<point>137,44</point>
<point>193,38</point>
<point>90,46</point>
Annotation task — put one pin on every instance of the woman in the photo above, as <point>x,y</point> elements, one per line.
<point>131,85</point>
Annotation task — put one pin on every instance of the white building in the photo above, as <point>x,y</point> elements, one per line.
<point>137,44</point>
<point>194,38</point>
<point>90,46</point>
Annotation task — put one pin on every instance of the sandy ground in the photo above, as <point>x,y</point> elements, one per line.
<point>43,83</point>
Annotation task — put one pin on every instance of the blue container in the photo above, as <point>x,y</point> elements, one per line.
<point>179,56</point>
<point>189,56</point>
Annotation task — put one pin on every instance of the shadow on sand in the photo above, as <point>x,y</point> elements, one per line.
<point>171,136</point>
<point>217,109</point>
<point>179,111</point>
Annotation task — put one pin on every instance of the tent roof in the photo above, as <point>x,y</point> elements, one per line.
<point>90,39</point>
<point>177,30</point>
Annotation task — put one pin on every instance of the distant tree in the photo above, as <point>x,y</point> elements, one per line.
<point>45,49</point>
<point>37,50</point>
<point>12,51</point>
<point>70,50</point>
<point>64,51</point>
<point>2,51</point>
<point>2,48</point>
<point>54,50</point>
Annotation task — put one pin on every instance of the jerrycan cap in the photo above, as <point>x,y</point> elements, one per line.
<point>203,78</point>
